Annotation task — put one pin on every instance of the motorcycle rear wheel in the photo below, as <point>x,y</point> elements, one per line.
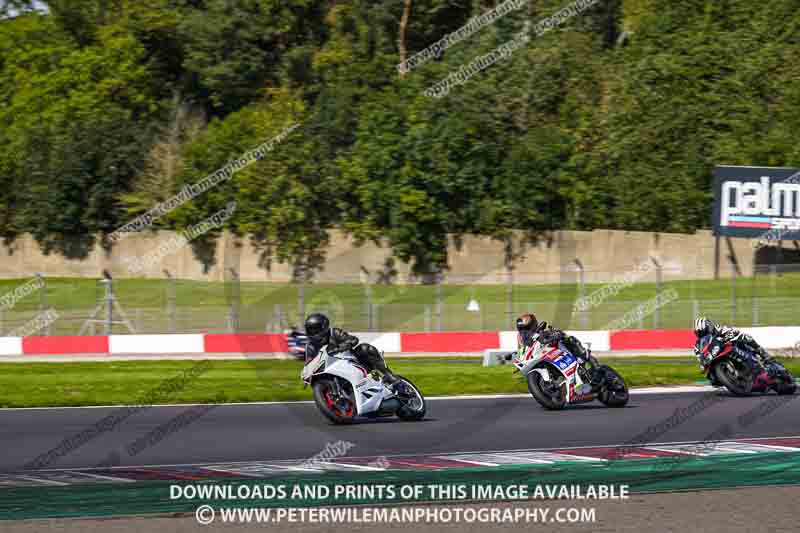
<point>549,396</point>
<point>734,376</point>
<point>337,410</point>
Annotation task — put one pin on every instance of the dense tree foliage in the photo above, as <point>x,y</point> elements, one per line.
<point>612,120</point>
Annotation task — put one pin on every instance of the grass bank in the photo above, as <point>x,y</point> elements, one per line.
<point>170,382</point>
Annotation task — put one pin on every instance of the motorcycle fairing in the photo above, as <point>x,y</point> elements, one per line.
<point>368,391</point>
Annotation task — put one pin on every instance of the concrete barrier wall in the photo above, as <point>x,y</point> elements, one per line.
<point>604,254</point>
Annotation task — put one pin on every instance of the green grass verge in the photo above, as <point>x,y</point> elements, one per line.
<point>116,383</point>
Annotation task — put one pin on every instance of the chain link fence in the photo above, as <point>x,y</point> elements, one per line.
<point>654,300</point>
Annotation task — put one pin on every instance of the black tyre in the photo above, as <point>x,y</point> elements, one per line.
<point>614,392</point>
<point>788,386</point>
<point>338,409</point>
<point>550,394</point>
<point>414,405</point>
<point>734,376</point>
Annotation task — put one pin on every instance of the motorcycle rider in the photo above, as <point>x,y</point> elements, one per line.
<point>704,326</point>
<point>296,340</point>
<point>529,329</point>
<point>320,334</point>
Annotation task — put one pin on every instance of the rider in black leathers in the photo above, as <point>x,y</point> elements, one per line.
<point>320,333</point>
<point>703,326</point>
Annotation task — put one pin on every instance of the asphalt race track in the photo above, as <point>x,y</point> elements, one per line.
<point>257,432</point>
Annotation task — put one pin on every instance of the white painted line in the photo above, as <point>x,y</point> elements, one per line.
<point>469,461</point>
<point>646,390</point>
<point>294,468</point>
<point>730,449</point>
<point>519,457</point>
<point>580,457</point>
<point>98,476</point>
<point>226,467</point>
<point>774,447</point>
<point>44,481</point>
<point>682,389</point>
<point>229,471</point>
<point>357,467</point>
<point>654,390</point>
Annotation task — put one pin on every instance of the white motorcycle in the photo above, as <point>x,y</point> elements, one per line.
<point>555,377</point>
<point>345,390</point>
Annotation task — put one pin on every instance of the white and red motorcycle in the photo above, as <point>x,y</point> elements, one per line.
<point>555,377</point>
<point>344,390</point>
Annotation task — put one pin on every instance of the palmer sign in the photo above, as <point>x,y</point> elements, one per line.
<point>757,202</point>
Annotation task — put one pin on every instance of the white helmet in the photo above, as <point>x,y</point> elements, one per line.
<point>703,326</point>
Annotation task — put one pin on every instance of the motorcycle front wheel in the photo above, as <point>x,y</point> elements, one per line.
<point>550,394</point>
<point>339,409</point>
<point>614,392</point>
<point>414,406</point>
<point>787,385</point>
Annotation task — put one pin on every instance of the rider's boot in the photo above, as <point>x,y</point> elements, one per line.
<point>597,380</point>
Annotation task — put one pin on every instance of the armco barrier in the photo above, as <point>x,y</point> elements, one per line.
<point>389,342</point>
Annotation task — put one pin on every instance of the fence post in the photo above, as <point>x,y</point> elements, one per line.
<point>774,279</point>
<point>109,304</point>
<point>171,301</point>
<point>301,300</point>
<point>43,301</point>
<point>584,307</point>
<point>277,318</point>
<point>510,298</point>
<point>235,300</point>
<point>439,309</point>
<point>754,295</point>
<point>370,317</point>
<point>427,318</point>
<point>733,293</point>
<point>657,310</point>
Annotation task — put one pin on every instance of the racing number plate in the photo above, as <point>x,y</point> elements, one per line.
<point>565,361</point>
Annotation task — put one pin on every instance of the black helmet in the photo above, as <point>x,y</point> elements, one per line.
<point>527,322</point>
<point>703,326</point>
<point>317,327</point>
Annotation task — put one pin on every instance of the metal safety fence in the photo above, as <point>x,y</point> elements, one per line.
<point>457,303</point>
